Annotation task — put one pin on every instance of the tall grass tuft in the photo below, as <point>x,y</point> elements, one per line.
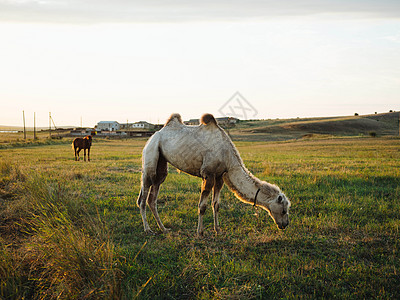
<point>9,174</point>
<point>11,278</point>
<point>66,262</point>
<point>12,220</point>
<point>66,250</point>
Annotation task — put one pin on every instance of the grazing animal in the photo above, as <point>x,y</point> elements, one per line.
<point>204,151</point>
<point>82,143</point>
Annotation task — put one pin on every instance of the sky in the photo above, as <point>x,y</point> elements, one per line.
<point>87,61</point>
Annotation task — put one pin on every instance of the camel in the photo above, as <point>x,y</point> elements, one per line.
<point>205,151</point>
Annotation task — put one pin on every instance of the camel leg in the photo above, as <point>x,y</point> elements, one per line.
<point>84,154</point>
<point>161,174</point>
<point>79,150</point>
<point>219,182</point>
<point>154,174</point>
<point>88,154</point>
<point>152,202</point>
<point>76,158</point>
<point>141,202</point>
<point>206,187</point>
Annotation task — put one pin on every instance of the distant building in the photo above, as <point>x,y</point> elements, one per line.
<point>82,132</point>
<point>108,125</point>
<point>142,125</point>
<point>192,122</point>
<point>137,125</point>
<point>221,121</point>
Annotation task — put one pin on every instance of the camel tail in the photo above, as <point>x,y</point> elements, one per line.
<point>207,119</point>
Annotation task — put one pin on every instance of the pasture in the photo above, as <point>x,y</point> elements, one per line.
<point>72,229</point>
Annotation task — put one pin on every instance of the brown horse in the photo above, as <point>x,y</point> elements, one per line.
<point>82,143</point>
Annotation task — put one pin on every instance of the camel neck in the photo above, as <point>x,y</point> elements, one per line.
<point>242,183</point>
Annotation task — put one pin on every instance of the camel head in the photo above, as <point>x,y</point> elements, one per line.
<point>279,211</point>
<point>278,208</point>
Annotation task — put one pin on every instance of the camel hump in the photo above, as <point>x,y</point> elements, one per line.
<point>174,117</point>
<point>207,119</point>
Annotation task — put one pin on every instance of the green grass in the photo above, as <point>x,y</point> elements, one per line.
<point>72,229</point>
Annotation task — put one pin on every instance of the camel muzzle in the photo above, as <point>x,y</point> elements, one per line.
<point>283,225</point>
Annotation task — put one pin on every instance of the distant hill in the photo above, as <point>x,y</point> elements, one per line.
<point>376,124</point>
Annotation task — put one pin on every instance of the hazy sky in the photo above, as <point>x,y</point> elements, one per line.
<point>143,60</point>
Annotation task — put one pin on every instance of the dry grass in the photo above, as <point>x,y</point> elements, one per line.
<point>51,244</point>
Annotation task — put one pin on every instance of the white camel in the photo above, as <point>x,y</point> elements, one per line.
<point>204,151</point>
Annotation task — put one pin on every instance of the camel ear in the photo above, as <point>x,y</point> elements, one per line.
<point>280,199</point>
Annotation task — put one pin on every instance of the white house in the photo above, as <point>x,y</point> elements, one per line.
<point>142,125</point>
<point>108,125</point>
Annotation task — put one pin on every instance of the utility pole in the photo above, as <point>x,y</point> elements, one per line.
<point>23,116</point>
<point>54,124</point>
<point>49,125</point>
<point>34,125</point>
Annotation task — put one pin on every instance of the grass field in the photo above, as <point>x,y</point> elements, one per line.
<point>72,229</point>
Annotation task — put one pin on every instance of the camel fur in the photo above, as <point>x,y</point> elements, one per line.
<point>204,151</point>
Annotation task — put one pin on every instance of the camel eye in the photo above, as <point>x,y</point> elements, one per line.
<point>284,212</point>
